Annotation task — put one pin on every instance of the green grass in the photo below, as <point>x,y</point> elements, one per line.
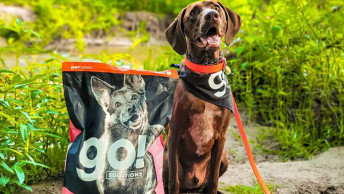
<point>243,189</point>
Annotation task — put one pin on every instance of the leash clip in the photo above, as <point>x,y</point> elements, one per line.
<point>180,72</point>
<point>175,65</point>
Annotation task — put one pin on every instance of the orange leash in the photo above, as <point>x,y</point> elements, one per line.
<point>248,149</point>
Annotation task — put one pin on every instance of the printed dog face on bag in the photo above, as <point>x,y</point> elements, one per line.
<point>126,118</point>
<point>125,108</point>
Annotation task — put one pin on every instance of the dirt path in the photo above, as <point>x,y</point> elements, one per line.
<point>324,174</point>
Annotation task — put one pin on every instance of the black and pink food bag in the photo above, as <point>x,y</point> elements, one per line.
<point>117,116</point>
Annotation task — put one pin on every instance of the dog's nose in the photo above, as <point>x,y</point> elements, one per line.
<point>195,180</point>
<point>211,14</point>
<point>131,109</point>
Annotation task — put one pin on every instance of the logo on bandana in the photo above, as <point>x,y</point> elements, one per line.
<point>213,88</point>
<point>211,81</point>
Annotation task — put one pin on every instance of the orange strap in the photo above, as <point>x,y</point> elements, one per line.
<point>248,149</point>
<point>205,68</point>
<point>107,68</point>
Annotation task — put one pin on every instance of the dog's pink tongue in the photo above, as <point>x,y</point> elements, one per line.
<point>213,39</point>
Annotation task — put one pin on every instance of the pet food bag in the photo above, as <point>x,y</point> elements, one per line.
<point>117,116</point>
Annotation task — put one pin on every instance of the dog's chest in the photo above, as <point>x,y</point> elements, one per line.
<point>200,122</point>
<point>198,141</point>
<point>202,132</point>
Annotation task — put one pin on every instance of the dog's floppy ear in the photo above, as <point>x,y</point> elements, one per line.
<point>136,82</point>
<point>233,23</point>
<point>101,91</point>
<point>175,34</point>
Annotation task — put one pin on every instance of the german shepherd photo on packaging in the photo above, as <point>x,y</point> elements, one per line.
<point>126,118</point>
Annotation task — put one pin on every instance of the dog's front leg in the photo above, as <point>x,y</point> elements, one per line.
<point>173,161</point>
<point>215,163</point>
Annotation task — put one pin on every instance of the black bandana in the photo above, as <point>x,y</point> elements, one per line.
<point>213,88</point>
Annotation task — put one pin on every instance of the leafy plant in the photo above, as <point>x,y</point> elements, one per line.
<point>33,121</point>
<point>288,72</point>
<point>18,38</point>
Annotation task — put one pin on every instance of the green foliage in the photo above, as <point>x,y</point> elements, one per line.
<point>243,189</point>
<point>57,19</point>
<point>33,121</point>
<point>18,39</point>
<point>71,19</point>
<point>289,73</point>
<point>163,62</point>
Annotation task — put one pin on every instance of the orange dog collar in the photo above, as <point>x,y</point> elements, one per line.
<point>205,68</point>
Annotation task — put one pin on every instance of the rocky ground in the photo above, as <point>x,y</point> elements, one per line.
<point>323,174</point>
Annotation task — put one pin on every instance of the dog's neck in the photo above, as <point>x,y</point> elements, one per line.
<point>204,60</point>
<point>204,57</point>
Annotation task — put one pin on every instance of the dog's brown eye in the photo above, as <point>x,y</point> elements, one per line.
<point>134,97</point>
<point>193,12</point>
<point>118,104</point>
<point>217,8</point>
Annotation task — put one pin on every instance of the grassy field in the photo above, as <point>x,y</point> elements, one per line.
<point>288,65</point>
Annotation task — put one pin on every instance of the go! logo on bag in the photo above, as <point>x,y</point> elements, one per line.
<point>99,161</point>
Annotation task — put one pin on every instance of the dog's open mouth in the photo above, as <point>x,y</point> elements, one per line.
<point>133,122</point>
<point>134,117</point>
<point>210,39</point>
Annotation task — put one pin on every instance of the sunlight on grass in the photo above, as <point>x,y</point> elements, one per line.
<point>243,189</point>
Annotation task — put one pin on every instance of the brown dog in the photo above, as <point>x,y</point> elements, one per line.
<point>194,155</point>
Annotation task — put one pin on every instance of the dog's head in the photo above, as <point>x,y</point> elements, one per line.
<point>204,24</point>
<point>125,107</point>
